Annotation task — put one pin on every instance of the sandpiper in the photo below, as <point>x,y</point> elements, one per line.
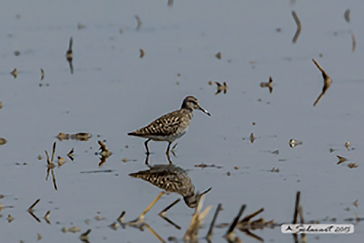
<point>170,126</point>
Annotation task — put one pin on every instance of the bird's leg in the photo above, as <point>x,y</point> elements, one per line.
<point>147,160</point>
<point>167,153</point>
<point>169,159</point>
<point>146,145</point>
<point>169,146</point>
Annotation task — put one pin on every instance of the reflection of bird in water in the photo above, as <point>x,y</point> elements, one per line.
<point>170,126</point>
<point>69,55</point>
<point>171,178</point>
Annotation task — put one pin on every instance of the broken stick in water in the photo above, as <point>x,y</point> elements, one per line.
<point>209,233</point>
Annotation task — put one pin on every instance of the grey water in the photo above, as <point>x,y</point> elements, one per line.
<point>113,91</point>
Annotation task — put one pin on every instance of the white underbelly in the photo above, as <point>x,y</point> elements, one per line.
<point>169,138</point>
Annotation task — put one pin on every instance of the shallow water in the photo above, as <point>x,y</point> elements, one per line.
<point>113,92</point>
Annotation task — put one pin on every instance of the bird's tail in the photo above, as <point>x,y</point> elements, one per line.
<point>136,134</point>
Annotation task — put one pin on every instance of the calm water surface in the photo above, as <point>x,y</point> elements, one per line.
<point>113,91</point>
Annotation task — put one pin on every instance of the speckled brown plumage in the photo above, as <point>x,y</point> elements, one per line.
<point>171,126</point>
<point>170,178</point>
<point>172,123</point>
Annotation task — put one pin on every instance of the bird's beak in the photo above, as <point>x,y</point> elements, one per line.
<point>204,111</point>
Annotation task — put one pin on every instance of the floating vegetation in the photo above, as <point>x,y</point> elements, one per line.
<point>99,217</point>
<point>63,136</point>
<point>341,159</point>
<point>74,229</point>
<point>42,74</point>
<point>230,234</point>
<point>275,152</point>
<point>139,222</point>
<point>31,208</point>
<point>218,55</point>
<point>293,143</point>
<point>268,84</point>
<point>10,218</point>
<point>70,154</point>
<point>297,204</point>
<point>81,26</point>
<point>274,170</point>
<point>51,166</point>
<point>327,82</point>
<point>47,216</point>
<point>105,153</point>
<point>61,161</point>
<point>104,150</point>
<point>245,224</point>
<point>139,21</point>
<point>221,88</point>
<point>347,15</point>
<point>347,145</point>
<point>14,73</point>
<point>353,165</point>
<point>96,171</point>
<point>197,221</point>
<point>69,55</point>
<point>356,203</point>
<point>3,141</point>
<point>203,165</point>
<point>210,232</point>
<point>114,226</point>
<point>299,27</point>
<point>142,53</point>
<point>127,160</point>
<point>353,41</point>
<point>252,138</point>
<point>81,136</point>
<point>3,206</point>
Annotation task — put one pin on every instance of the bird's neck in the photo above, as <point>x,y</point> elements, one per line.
<point>187,110</point>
